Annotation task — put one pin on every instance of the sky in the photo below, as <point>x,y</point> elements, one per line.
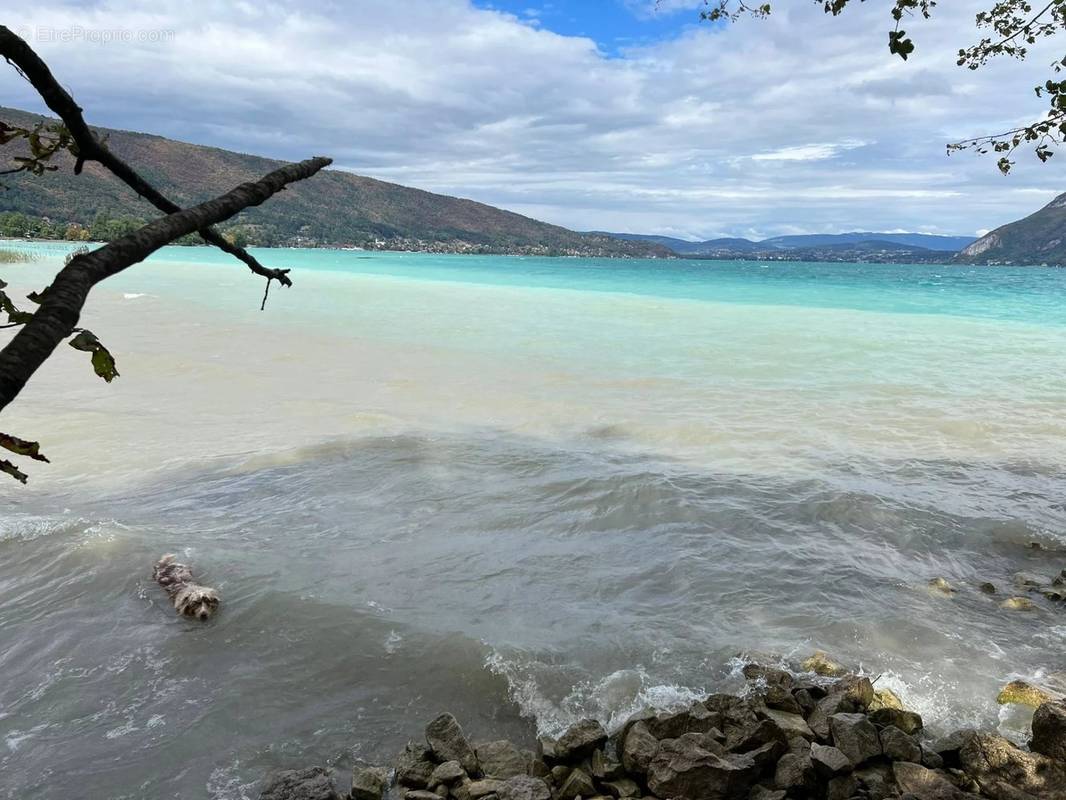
<point>618,115</point>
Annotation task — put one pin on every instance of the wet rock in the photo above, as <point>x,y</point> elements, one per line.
<point>580,740</point>
<point>999,767</point>
<point>737,713</point>
<point>622,788</point>
<point>1017,604</point>
<point>774,686</point>
<point>829,761</point>
<point>1049,730</point>
<point>948,747</point>
<point>794,772</point>
<point>577,784</point>
<point>821,664</point>
<point>414,766</point>
<point>941,586</point>
<point>805,700</point>
<point>791,724</point>
<point>850,694</point>
<point>501,760</point>
<point>925,784</point>
<point>448,773</point>
<point>855,736</point>
<point>1055,594</point>
<point>313,783</point>
<point>369,783</point>
<point>604,768</point>
<point>1031,579</point>
<point>483,788</point>
<point>885,698</point>
<point>639,749</point>
<point>696,719</point>
<point>546,749</point>
<point>898,746</point>
<point>448,743</point>
<point>1024,694</point>
<point>987,588</point>
<point>560,772</point>
<point>524,787</point>
<point>686,770</point>
<point>907,721</point>
<point>539,769</point>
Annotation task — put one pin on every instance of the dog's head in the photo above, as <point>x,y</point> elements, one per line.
<point>196,602</point>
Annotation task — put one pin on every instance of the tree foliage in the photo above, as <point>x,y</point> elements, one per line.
<point>59,305</point>
<point>1009,29</point>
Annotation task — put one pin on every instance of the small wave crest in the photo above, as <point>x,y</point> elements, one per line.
<point>611,699</point>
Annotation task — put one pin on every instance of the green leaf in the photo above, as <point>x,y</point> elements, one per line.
<point>104,364</point>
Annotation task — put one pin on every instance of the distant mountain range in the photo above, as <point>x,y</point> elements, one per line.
<point>1039,238</point>
<point>334,208</point>
<point>842,246</point>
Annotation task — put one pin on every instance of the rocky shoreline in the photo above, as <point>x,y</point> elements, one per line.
<point>812,731</point>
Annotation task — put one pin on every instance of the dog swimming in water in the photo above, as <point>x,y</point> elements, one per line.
<point>190,599</point>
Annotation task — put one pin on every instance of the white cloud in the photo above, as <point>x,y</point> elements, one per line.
<point>800,122</point>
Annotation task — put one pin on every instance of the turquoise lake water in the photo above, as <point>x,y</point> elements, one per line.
<point>524,490</point>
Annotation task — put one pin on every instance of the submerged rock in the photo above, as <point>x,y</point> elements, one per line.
<point>821,664</point>
<point>313,783</point>
<point>1024,694</point>
<point>987,588</point>
<point>941,586</point>
<point>446,739</point>
<point>1017,604</point>
<point>1049,730</point>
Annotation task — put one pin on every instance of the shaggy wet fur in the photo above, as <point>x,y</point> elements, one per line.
<point>189,598</point>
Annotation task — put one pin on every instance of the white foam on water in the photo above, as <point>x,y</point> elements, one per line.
<point>224,784</point>
<point>611,700</point>
<point>393,642</point>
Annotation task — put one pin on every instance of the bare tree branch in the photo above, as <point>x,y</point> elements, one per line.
<point>22,57</point>
<point>61,303</point>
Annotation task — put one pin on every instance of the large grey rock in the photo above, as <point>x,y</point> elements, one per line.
<point>448,743</point>
<point>907,721</point>
<point>696,719</point>
<point>792,725</point>
<point>855,736</point>
<point>685,769</point>
<point>580,740</point>
<point>1000,768</point>
<point>737,714</point>
<point>794,772</point>
<point>414,766</point>
<point>369,783</point>
<point>1049,730</point>
<point>764,732</point>
<point>898,746</point>
<point>484,788</point>
<point>501,760</point>
<point>774,686</point>
<point>421,794</point>
<point>448,773</point>
<point>829,761</point>
<point>524,787</point>
<point>639,748</point>
<point>577,784</point>
<point>842,787</point>
<point>313,783</point>
<point>876,781</point>
<point>926,784</point>
<point>762,793</point>
<point>604,768</point>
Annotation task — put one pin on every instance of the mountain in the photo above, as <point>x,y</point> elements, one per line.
<point>903,243</point>
<point>335,207</point>
<point>1040,238</point>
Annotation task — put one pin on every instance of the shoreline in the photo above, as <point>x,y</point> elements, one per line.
<point>813,730</point>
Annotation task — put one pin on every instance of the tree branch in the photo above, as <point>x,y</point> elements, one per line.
<point>62,302</point>
<point>22,57</point>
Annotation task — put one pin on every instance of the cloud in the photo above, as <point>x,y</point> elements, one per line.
<point>799,122</point>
